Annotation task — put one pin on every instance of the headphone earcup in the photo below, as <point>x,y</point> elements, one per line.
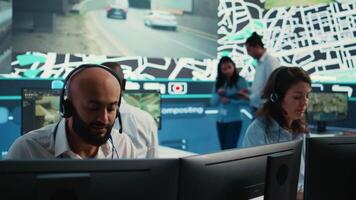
<point>273,97</point>
<point>67,109</point>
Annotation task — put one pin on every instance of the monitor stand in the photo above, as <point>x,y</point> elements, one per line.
<point>321,127</point>
<point>281,177</point>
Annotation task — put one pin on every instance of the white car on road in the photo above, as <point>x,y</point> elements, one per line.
<point>163,19</point>
<point>118,9</point>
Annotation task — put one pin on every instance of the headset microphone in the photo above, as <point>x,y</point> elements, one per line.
<point>120,122</point>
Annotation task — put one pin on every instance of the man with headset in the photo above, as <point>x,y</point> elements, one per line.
<point>137,123</point>
<point>89,104</point>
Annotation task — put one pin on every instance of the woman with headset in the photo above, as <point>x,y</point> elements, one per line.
<point>281,118</point>
<point>229,92</point>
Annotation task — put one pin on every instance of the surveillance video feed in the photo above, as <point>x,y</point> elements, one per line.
<point>5,36</point>
<point>328,106</point>
<point>152,28</point>
<point>148,101</point>
<point>40,107</point>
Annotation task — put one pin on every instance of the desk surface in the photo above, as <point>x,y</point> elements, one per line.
<point>168,152</point>
<point>330,134</point>
<point>331,130</point>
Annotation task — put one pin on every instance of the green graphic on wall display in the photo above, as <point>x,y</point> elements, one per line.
<point>253,26</point>
<point>224,53</point>
<point>32,73</point>
<point>28,59</point>
<point>283,3</point>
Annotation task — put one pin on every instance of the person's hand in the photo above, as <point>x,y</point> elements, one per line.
<point>224,100</point>
<point>244,94</point>
<point>221,92</point>
<point>300,195</point>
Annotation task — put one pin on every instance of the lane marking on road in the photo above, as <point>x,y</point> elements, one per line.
<point>125,52</point>
<point>112,41</point>
<point>197,33</point>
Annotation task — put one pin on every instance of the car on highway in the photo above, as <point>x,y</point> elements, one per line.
<point>118,9</point>
<point>160,19</point>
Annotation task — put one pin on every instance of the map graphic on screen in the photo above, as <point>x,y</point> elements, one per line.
<point>316,35</point>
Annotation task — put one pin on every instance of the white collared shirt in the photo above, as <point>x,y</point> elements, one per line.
<point>266,65</point>
<point>41,144</point>
<point>141,128</point>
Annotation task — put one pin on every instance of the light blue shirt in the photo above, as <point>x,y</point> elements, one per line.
<point>230,112</point>
<point>256,135</point>
<point>265,66</point>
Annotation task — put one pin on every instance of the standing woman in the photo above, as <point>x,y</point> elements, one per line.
<point>229,92</point>
<point>281,118</point>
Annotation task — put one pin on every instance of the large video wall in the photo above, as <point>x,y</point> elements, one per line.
<point>318,37</point>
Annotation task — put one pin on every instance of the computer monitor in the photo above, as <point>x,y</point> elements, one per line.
<point>325,107</point>
<point>330,170</point>
<point>239,173</point>
<point>40,107</point>
<point>90,179</point>
<point>147,100</point>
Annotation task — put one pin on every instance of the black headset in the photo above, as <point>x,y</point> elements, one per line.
<point>65,106</point>
<point>274,96</point>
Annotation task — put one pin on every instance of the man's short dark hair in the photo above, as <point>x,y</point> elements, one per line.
<point>255,40</point>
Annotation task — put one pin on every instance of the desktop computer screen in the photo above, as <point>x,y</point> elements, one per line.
<point>330,170</point>
<point>90,179</point>
<point>40,106</point>
<point>325,107</point>
<point>147,100</point>
<point>240,173</point>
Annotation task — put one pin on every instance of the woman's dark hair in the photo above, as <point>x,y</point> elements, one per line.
<point>221,78</point>
<point>255,40</point>
<point>279,82</point>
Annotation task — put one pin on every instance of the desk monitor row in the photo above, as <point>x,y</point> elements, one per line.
<point>232,174</point>
<point>271,170</point>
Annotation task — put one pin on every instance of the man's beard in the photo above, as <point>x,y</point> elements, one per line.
<point>82,129</point>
